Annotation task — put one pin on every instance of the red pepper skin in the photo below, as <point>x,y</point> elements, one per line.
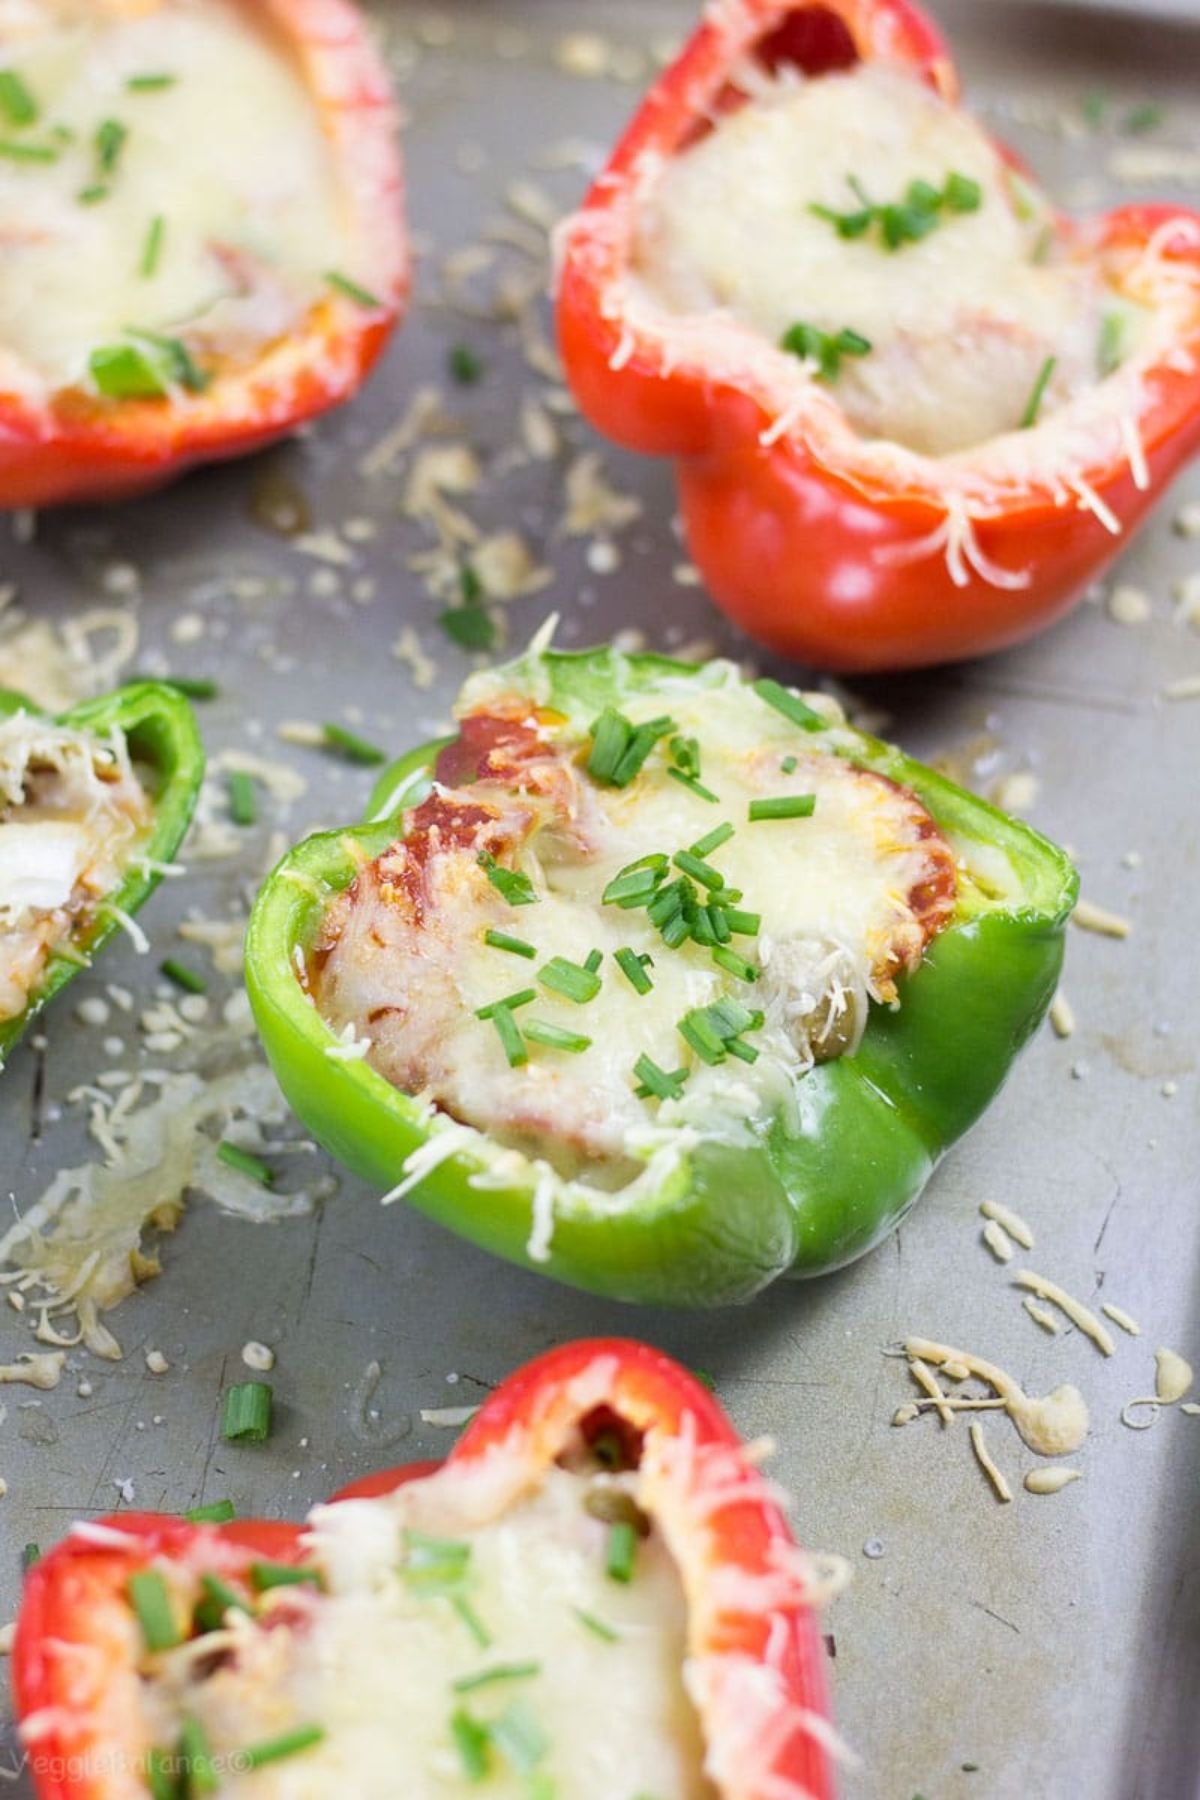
<point>76,1643</point>
<point>829,571</point>
<point>72,447</point>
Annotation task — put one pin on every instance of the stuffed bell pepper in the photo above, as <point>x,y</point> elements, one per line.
<point>914,409</point>
<point>659,981</point>
<point>595,1596</point>
<point>93,806</point>
<point>202,213</point>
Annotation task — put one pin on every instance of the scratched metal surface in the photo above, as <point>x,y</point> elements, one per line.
<point>1052,1643</point>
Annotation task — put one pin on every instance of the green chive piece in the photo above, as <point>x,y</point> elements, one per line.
<point>1110,352</point>
<point>656,1083</point>
<point>621,1552</point>
<point>783,806</point>
<point>464,365</point>
<point>183,977</point>
<point>788,765</point>
<point>29,1555</point>
<point>150,84</point>
<point>216,1512</point>
<point>519,1738</point>
<point>962,194</point>
<point>742,924</point>
<point>110,141</point>
<point>720,834</point>
<point>511,1041</point>
<point>824,348</point>
<point>694,787</point>
<point>303,1737</point>
<point>697,1032</point>
<point>195,1754</point>
<point>637,882</point>
<point>434,1564</point>
<point>510,884</point>
<point>592,961</point>
<point>555,1037</point>
<point>219,1599</point>
<point>517,1671</point>
<point>698,869</point>
<point>363,296</point>
<point>471,1740</point>
<point>596,1626</point>
<point>16,102</point>
<point>619,748</point>
<point>570,980</point>
<point>734,964</point>
<point>1033,405</point>
<point>122,372</point>
<point>500,940</point>
<point>246,1414</point>
<point>192,687</point>
<point>472,1621</point>
<point>470,625</point>
<point>790,705</point>
<point>1143,119</point>
<point>88,196</point>
<point>151,1602</point>
<point>353,748</point>
<point>633,969</point>
<point>152,248</point>
<point>509,1003</point>
<point>30,153</point>
<point>469,584</point>
<point>245,1162</point>
<point>243,802</point>
<point>161,1768</point>
<point>178,361</point>
<point>266,1575</point>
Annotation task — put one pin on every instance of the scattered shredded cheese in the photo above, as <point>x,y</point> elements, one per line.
<point>1079,1315</point>
<point>1050,1481</point>
<point>1099,919</point>
<point>1012,1222</point>
<point>984,1458</point>
<point>1173,1376</point>
<point>1121,1318</point>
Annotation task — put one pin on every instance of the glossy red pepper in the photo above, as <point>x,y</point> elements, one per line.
<point>754,1649</point>
<point>72,446</point>
<point>814,545</point>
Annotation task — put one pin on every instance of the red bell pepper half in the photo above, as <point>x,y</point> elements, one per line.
<point>754,1651</point>
<point>817,546</point>
<point>70,446</point>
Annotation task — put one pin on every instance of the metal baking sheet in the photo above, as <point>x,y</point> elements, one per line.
<point>1045,1648</point>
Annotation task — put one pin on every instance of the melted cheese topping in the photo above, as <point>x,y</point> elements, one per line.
<point>373,1660</point>
<point>834,891</point>
<point>960,324</point>
<point>72,814</point>
<point>229,154</point>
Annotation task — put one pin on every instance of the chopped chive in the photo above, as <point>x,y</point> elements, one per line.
<point>110,141</point>
<point>696,1031</point>
<point>554,1037</point>
<point>152,248</point>
<point>570,980</point>
<point>246,1414</point>
<point>961,193</point>
<point>509,1003</point>
<point>303,1737</point>
<point>621,1551</point>
<point>243,802</point>
<point>266,1575</point>
<point>29,1555</point>
<point>216,1512</point>
<point>694,787</point>
<point>1033,405</point>
<point>824,348</point>
<point>195,1754</point>
<point>219,1599</point>
<point>123,372</point>
<point>471,1740</point>
<point>783,806</point>
<point>790,705</point>
<point>508,1031</point>
<point>744,1052</point>
<point>720,834</point>
<point>742,924</point>
<point>656,1083</point>
<point>472,1621</point>
<point>16,102</point>
<point>592,961</point>
<point>788,765</point>
<point>149,84</point>
<point>245,1162</point>
<point>734,964</point>
<point>500,940</point>
<point>181,366</point>
<point>1143,118</point>
<point>633,969</point>
<point>161,1773</point>
<point>192,687</point>
<point>151,1602</point>
<point>422,1550</point>
<point>620,748</point>
<point>1110,352</point>
<point>636,883</point>
<point>470,625</point>
<point>519,1738</point>
<point>596,1626</point>
<point>469,584</point>
<point>88,196</point>
<point>31,153</point>
<point>685,752</point>
<point>698,869</point>
<point>183,977</point>
<point>464,365</point>
<point>510,884</point>
<point>353,748</point>
<point>363,296</point>
<point>517,1671</point>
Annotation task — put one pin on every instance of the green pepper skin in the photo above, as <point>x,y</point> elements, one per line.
<point>160,729</point>
<point>730,1218</point>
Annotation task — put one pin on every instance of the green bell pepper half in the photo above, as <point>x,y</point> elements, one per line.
<point>164,743</point>
<point>726,1219</point>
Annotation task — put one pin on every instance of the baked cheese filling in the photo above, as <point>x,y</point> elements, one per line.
<point>459,1643</point>
<point>861,223</point>
<point>562,951</point>
<point>169,202</point>
<point>73,815</point>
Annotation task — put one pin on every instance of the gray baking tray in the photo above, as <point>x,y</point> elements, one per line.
<point>1044,1648</point>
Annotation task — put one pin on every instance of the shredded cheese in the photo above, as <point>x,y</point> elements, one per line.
<point>1079,1315</point>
